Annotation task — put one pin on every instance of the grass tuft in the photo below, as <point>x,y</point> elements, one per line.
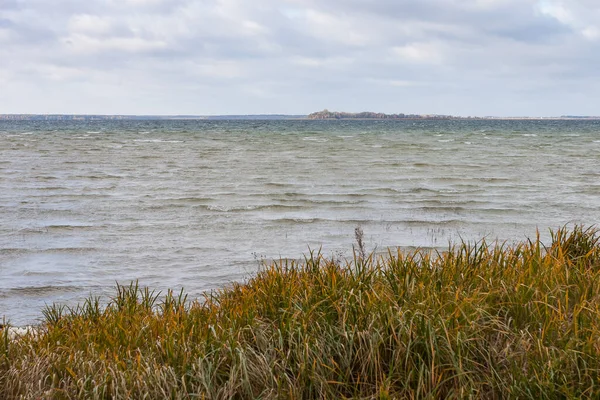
<point>478,321</point>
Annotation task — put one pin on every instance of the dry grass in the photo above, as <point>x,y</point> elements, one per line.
<point>480,321</point>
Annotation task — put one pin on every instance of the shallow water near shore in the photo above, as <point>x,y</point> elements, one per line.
<point>198,204</point>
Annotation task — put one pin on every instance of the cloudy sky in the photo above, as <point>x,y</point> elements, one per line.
<point>461,57</point>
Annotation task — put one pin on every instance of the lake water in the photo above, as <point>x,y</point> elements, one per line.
<point>199,204</point>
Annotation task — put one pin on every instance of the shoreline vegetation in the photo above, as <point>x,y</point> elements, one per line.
<point>480,320</point>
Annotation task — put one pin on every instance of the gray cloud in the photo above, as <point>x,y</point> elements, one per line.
<point>468,57</point>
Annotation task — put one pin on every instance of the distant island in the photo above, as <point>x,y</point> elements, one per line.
<point>337,115</point>
<point>320,115</point>
<point>326,114</point>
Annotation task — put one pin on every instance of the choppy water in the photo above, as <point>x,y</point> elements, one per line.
<point>198,204</point>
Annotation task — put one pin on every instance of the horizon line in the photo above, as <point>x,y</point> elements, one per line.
<point>291,116</point>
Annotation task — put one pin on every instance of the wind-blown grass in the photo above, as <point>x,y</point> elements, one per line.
<point>478,321</point>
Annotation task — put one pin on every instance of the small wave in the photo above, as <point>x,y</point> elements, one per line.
<point>51,188</point>
<point>493,179</point>
<point>54,250</point>
<point>157,141</point>
<point>464,209</point>
<point>98,176</point>
<point>42,290</point>
<point>334,202</point>
<point>393,191</point>
<point>189,199</point>
<point>361,221</point>
<point>277,184</point>
<point>272,207</point>
<point>63,250</point>
<point>365,193</point>
<point>13,250</point>
<point>530,135</point>
<point>318,140</point>
<point>443,202</point>
<point>451,209</point>
<point>55,227</point>
<point>428,223</point>
<point>317,220</point>
<point>292,194</point>
<point>69,227</point>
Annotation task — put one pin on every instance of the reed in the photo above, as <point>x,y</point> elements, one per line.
<point>481,320</point>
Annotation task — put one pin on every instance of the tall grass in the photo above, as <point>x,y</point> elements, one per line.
<point>479,321</point>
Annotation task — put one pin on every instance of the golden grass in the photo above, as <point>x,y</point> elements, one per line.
<point>479,321</point>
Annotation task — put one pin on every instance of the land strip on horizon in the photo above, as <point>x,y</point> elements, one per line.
<point>321,115</point>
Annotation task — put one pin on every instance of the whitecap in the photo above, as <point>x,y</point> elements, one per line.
<point>318,140</point>
<point>157,141</point>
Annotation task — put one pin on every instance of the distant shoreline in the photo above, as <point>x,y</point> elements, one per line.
<point>278,117</point>
<point>367,115</point>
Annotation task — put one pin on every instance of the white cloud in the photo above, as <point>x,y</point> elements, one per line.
<point>88,44</point>
<point>591,32</point>
<point>90,24</point>
<point>215,69</point>
<point>395,82</point>
<point>58,73</point>
<point>336,28</point>
<point>323,62</point>
<point>5,35</point>
<point>580,16</point>
<point>421,53</point>
<point>557,11</point>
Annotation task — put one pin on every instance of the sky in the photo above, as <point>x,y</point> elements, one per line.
<point>216,57</point>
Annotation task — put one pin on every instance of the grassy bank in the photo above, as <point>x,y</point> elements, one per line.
<point>479,321</point>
